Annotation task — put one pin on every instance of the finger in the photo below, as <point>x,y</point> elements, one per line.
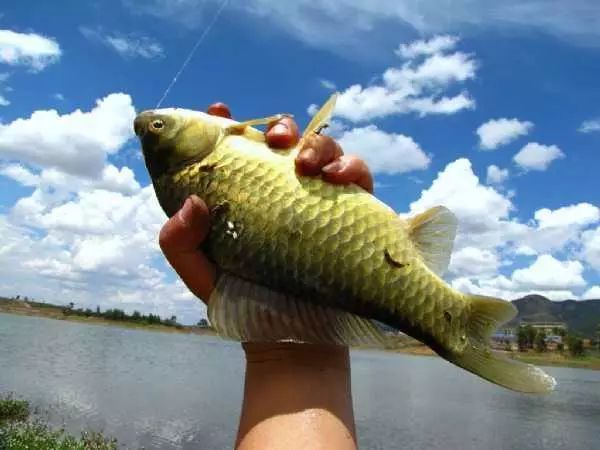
<point>317,151</point>
<point>219,109</point>
<point>282,133</point>
<point>179,240</point>
<point>349,169</point>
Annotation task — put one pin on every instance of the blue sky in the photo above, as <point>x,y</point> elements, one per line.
<point>491,110</point>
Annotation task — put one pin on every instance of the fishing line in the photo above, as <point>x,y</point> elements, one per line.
<point>191,54</point>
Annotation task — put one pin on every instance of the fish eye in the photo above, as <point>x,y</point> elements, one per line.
<point>156,125</point>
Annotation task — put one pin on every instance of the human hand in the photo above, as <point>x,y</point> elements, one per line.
<point>183,233</point>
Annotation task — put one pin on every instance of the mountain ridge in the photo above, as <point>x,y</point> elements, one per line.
<point>580,316</point>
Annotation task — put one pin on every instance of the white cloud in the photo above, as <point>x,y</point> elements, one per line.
<point>415,87</point>
<point>471,261</point>
<point>485,221</point>
<point>437,69</point>
<point>87,237</point>
<point>480,209</point>
<point>349,25</point>
<point>312,109</point>
<point>581,214</point>
<point>327,84</point>
<point>92,247</point>
<point>28,49</point>
<point>20,174</point>
<point>548,273</point>
<point>112,179</point>
<point>496,175</point>
<point>546,276</point>
<point>442,105</point>
<point>550,231</point>
<point>590,125</point>
<point>591,247</point>
<point>591,293</point>
<point>489,239</point>
<point>436,44</point>
<point>384,152</point>
<point>3,100</point>
<point>504,288</point>
<point>58,96</point>
<point>117,180</point>
<point>534,156</point>
<point>525,250</point>
<point>76,143</point>
<point>130,45</point>
<point>497,132</point>
<point>95,211</point>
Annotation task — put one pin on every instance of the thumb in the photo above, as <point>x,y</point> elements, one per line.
<point>179,240</point>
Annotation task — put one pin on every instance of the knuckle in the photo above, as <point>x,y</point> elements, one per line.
<point>309,141</point>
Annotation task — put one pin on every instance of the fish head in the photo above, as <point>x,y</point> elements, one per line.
<point>173,137</point>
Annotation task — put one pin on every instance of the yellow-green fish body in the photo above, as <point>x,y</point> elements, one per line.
<point>302,259</point>
<point>338,245</point>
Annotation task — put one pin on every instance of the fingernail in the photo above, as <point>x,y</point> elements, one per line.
<point>279,128</point>
<point>335,166</point>
<point>186,213</point>
<point>219,109</point>
<point>308,155</point>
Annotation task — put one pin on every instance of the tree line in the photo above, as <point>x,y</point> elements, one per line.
<point>529,337</point>
<point>120,315</point>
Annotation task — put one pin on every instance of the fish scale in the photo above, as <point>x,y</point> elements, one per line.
<point>338,255</point>
<point>304,260</point>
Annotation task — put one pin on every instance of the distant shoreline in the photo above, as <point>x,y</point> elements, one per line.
<point>590,361</point>
<point>56,313</point>
<point>398,344</point>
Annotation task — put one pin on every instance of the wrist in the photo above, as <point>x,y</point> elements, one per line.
<point>290,354</point>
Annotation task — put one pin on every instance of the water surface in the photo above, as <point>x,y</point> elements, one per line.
<point>172,391</point>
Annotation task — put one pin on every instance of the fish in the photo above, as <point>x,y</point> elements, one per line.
<point>302,260</point>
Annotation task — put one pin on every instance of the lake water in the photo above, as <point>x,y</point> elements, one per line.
<point>171,391</point>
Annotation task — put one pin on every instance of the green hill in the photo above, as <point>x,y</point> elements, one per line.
<point>581,317</point>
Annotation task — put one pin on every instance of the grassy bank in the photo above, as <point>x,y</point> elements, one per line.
<point>22,308</point>
<point>13,409</point>
<point>407,345</point>
<point>590,360</point>
<point>18,431</point>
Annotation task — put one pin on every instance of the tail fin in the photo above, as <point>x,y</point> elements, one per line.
<point>487,314</point>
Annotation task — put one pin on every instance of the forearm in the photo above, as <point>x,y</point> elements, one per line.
<point>296,396</point>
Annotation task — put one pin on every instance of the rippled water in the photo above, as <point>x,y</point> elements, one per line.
<point>160,390</point>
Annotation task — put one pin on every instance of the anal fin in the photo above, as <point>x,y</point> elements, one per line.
<point>247,312</point>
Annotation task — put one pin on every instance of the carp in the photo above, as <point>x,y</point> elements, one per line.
<point>303,260</point>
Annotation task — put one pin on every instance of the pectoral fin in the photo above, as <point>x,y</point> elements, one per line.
<point>248,312</point>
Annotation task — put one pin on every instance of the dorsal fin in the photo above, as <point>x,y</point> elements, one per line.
<point>322,116</point>
<point>246,129</point>
<point>433,234</point>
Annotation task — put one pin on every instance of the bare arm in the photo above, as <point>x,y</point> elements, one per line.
<point>296,396</point>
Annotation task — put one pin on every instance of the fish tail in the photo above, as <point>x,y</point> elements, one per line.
<point>486,315</point>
